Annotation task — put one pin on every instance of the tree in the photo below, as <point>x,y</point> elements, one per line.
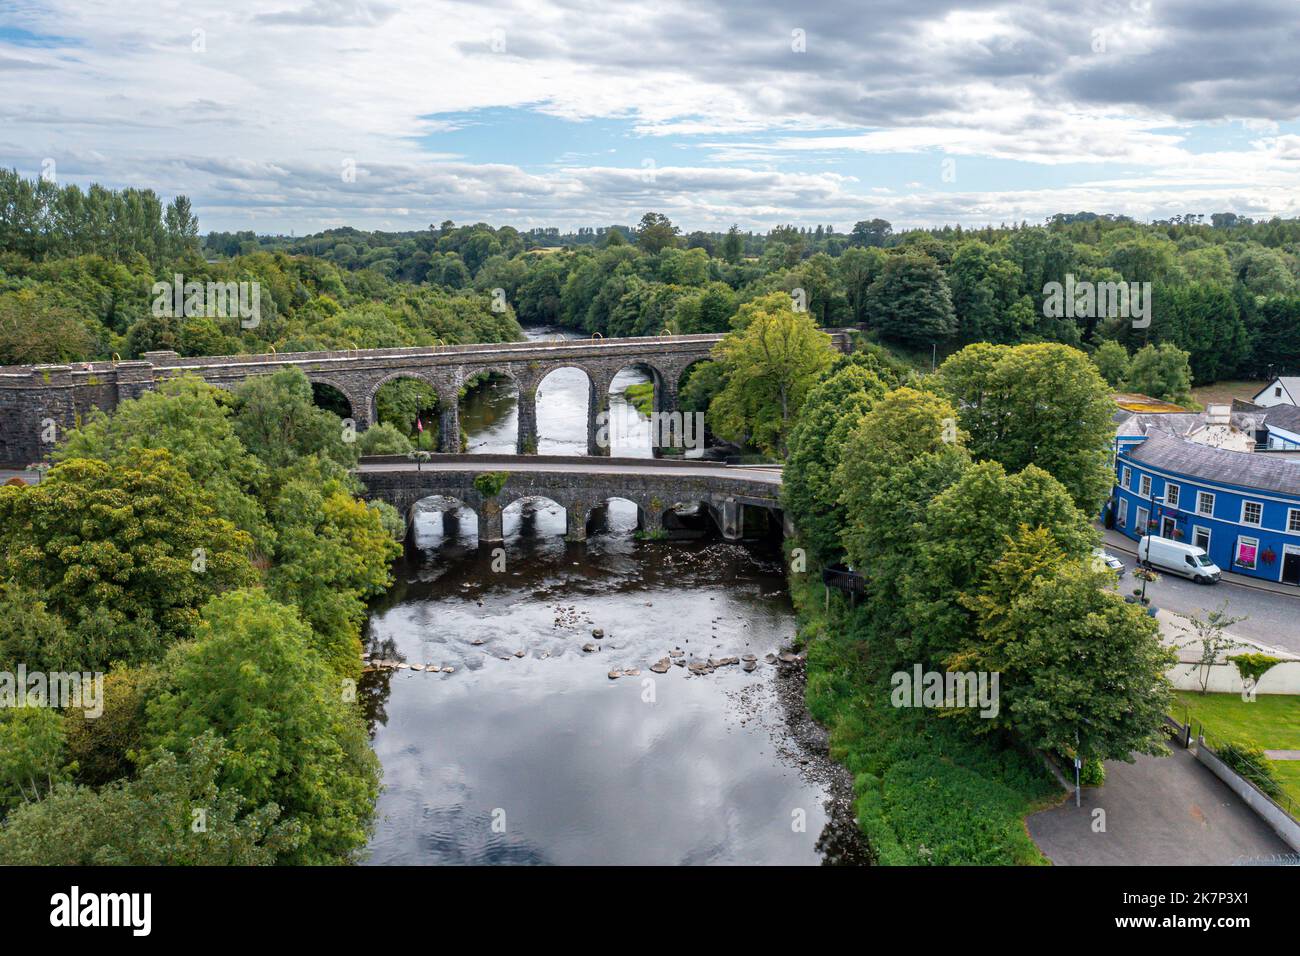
<point>150,821</point>
<point>1160,371</point>
<point>1042,404</point>
<point>656,232</point>
<point>1112,362</point>
<point>1208,630</point>
<point>333,553</point>
<point>383,439</point>
<point>126,554</point>
<point>276,421</point>
<point>771,362</point>
<point>966,530</point>
<point>985,293</point>
<point>31,753</point>
<point>858,268</point>
<point>1081,672</point>
<point>733,245</point>
<point>809,494</point>
<point>251,679</point>
<point>910,303</point>
<point>874,232</point>
<point>184,417</point>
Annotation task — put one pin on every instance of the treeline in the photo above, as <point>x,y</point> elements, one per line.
<point>208,552</point>
<point>1227,292</point>
<point>69,294</point>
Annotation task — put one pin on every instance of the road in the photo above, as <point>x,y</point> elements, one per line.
<point>596,465</point>
<point>1270,618</point>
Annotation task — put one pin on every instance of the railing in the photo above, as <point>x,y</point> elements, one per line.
<point>1218,745</point>
<point>842,579</point>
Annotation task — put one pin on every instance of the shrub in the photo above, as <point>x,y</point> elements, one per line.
<point>1249,761</point>
<point>489,483</point>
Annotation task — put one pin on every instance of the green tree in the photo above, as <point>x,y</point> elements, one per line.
<point>126,554</point>
<point>1112,362</point>
<point>292,739</point>
<point>184,417</point>
<point>809,494</point>
<point>31,753</point>
<point>276,421</point>
<point>656,232</point>
<point>1081,672</point>
<point>150,821</point>
<point>910,303</point>
<point>1042,404</point>
<point>771,362</point>
<point>1160,371</point>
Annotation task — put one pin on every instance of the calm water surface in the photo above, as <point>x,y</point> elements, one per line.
<point>542,758</point>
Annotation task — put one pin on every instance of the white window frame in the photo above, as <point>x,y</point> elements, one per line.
<point>1209,536</point>
<point>1144,486</point>
<point>1143,516</point>
<point>1123,512</point>
<point>1207,512</point>
<point>1236,553</point>
<point>1128,478</point>
<point>1246,521</point>
<point>1293,520</point>
<point>1170,486</point>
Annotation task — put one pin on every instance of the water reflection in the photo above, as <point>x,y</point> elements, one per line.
<point>490,412</point>
<point>528,731</point>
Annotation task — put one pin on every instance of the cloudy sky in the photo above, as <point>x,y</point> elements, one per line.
<point>297,115</point>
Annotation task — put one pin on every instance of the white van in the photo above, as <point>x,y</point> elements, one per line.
<point>1175,557</point>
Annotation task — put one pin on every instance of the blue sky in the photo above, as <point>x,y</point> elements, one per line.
<point>304,114</point>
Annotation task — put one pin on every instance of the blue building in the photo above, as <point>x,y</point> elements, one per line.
<point>1242,507</point>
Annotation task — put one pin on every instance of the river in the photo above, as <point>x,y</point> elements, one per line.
<point>527,752</point>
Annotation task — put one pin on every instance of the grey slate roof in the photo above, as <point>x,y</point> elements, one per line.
<point>1243,468</point>
<point>1282,416</point>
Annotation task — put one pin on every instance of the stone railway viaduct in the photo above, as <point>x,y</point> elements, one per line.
<point>38,403</point>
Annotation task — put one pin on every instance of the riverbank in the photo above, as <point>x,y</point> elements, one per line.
<point>926,792</point>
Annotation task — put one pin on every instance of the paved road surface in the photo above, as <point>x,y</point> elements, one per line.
<point>533,463</point>
<point>1168,811</point>
<point>1271,618</point>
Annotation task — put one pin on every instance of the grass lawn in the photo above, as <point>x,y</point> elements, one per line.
<point>1222,393</point>
<point>1271,722</point>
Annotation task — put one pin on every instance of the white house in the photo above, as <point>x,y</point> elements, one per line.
<point>1284,390</point>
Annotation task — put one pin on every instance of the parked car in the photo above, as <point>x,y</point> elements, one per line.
<point>1109,560</point>
<point>1175,557</point>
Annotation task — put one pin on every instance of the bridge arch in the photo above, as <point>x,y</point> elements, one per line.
<point>562,409</point>
<point>457,519</point>
<point>403,408</point>
<point>373,391</point>
<point>532,511</point>
<point>356,410</point>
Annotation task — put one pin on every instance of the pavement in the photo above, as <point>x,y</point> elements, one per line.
<point>1159,811</point>
<point>1115,541</point>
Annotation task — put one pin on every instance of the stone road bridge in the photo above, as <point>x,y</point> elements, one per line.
<point>579,485</point>
<point>32,398</point>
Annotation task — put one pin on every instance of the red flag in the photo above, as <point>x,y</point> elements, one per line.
<point>419,425</point>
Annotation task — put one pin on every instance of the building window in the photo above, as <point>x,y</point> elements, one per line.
<point>1123,512</point>
<point>1205,503</point>
<point>1144,486</point>
<point>1201,538</point>
<point>1171,495</point>
<point>1293,520</point>
<point>1143,517</point>
<point>1277,392</point>
<point>1128,477</point>
<point>1247,549</point>
<point>1252,512</point>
